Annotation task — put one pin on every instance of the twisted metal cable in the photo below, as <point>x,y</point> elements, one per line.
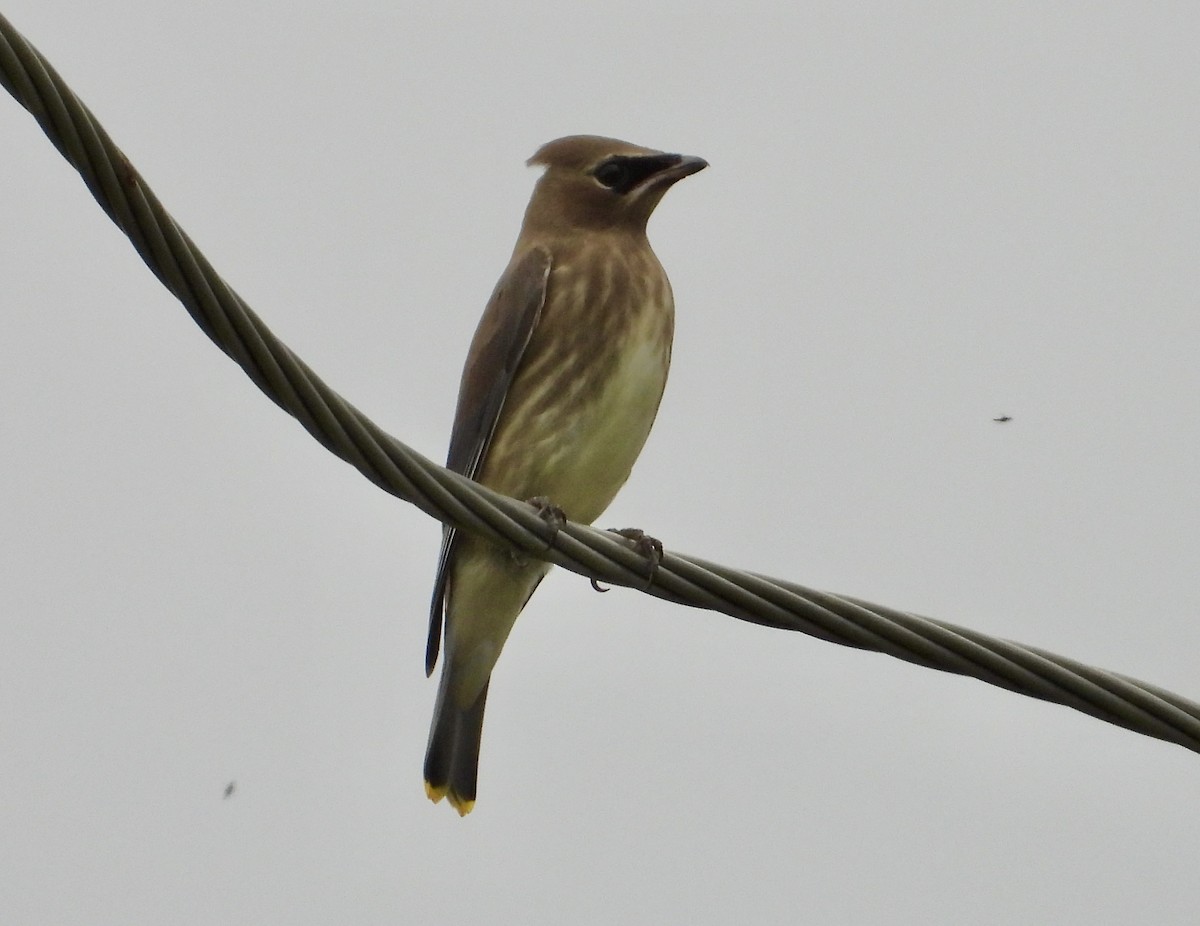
<point>451,498</point>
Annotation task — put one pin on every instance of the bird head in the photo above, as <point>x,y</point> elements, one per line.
<point>593,183</point>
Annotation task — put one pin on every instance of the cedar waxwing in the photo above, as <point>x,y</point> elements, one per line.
<point>561,385</point>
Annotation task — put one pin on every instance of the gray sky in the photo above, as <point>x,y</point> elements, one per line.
<point>918,217</point>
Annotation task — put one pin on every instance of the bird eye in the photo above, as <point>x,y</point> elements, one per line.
<point>612,174</point>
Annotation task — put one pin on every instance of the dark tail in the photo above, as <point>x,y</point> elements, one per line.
<point>452,757</point>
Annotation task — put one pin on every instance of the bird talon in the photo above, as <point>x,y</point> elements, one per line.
<point>551,514</point>
<point>650,548</point>
<point>596,585</point>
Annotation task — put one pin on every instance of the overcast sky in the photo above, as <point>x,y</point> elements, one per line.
<point>918,217</point>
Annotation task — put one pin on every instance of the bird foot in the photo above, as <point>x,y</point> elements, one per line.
<point>650,548</point>
<point>551,514</point>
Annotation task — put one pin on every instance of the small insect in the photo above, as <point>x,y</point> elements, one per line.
<point>229,789</point>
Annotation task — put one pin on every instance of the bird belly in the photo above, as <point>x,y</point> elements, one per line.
<point>595,449</point>
<point>575,436</point>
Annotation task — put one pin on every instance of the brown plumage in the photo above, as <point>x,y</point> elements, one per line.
<point>560,388</point>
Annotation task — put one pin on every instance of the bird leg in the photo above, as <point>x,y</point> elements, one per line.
<point>650,548</point>
<point>551,514</point>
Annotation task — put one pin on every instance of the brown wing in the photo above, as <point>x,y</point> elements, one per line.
<point>496,350</point>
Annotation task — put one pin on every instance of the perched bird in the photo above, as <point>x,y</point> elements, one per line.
<point>561,385</point>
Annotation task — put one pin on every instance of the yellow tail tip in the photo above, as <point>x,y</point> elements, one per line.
<point>463,807</point>
<point>436,792</point>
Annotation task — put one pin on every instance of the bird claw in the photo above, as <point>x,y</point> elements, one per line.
<point>551,514</point>
<point>650,548</point>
